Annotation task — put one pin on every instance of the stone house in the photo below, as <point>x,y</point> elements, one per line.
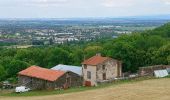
<point>99,69</point>
<point>36,77</point>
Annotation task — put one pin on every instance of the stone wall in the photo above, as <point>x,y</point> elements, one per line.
<point>69,78</point>
<point>112,70</point>
<point>92,69</point>
<point>34,83</point>
<point>149,71</point>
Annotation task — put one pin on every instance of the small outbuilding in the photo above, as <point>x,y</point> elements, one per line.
<point>36,77</point>
<point>161,73</point>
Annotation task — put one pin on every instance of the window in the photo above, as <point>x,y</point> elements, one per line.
<point>85,66</point>
<point>104,76</point>
<point>97,68</point>
<point>103,67</point>
<point>88,74</point>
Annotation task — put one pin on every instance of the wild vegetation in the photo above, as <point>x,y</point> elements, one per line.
<point>134,50</point>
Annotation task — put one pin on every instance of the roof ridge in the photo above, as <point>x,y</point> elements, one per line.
<point>95,60</point>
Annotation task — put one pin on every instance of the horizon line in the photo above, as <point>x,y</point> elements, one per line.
<point>98,17</point>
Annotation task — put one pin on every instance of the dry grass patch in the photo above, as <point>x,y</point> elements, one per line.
<point>155,89</point>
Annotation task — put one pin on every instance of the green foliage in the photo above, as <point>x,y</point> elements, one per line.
<point>77,57</point>
<point>6,44</point>
<point>163,31</point>
<point>2,73</point>
<point>92,50</point>
<point>15,67</point>
<point>56,56</point>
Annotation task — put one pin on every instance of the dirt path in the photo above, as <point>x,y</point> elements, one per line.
<point>145,90</point>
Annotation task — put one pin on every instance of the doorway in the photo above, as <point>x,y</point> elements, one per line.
<point>104,76</point>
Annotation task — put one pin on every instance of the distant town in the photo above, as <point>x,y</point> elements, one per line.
<point>55,31</point>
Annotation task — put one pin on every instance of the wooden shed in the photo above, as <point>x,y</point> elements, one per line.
<point>36,77</point>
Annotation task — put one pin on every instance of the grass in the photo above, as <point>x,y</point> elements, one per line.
<point>77,89</point>
<point>167,76</point>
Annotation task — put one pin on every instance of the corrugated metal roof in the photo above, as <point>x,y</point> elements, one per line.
<point>160,73</point>
<point>168,69</point>
<point>75,69</point>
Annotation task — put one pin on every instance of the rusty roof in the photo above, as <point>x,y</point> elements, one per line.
<point>42,73</point>
<point>95,60</point>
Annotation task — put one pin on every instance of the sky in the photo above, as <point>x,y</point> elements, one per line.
<point>82,8</point>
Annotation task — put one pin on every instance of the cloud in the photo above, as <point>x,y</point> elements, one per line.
<point>46,2</point>
<point>118,3</point>
<point>167,2</point>
<point>26,3</point>
<point>133,3</point>
<point>82,8</point>
<point>83,3</point>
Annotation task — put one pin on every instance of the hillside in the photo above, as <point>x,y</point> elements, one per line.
<point>157,89</point>
<point>134,50</point>
<point>163,31</point>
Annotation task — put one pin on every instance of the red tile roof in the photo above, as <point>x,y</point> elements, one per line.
<point>95,60</point>
<point>42,73</point>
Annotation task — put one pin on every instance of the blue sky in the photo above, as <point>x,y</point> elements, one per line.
<point>81,8</point>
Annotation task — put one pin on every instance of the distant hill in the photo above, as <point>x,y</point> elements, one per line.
<point>147,17</point>
<point>152,17</point>
<point>163,31</point>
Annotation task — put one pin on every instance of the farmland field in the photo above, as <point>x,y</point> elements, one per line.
<point>155,89</point>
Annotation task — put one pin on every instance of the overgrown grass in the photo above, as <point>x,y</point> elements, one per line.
<point>77,89</point>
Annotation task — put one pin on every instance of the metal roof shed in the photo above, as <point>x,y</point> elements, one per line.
<point>168,69</point>
<point>160,73</point>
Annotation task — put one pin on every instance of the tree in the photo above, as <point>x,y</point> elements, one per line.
<point>15,67</point>
<point>162,55</point>
<point>77,57</point>
<point>2,73</point>
<point>92,50</point>
<point>56,56</point>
